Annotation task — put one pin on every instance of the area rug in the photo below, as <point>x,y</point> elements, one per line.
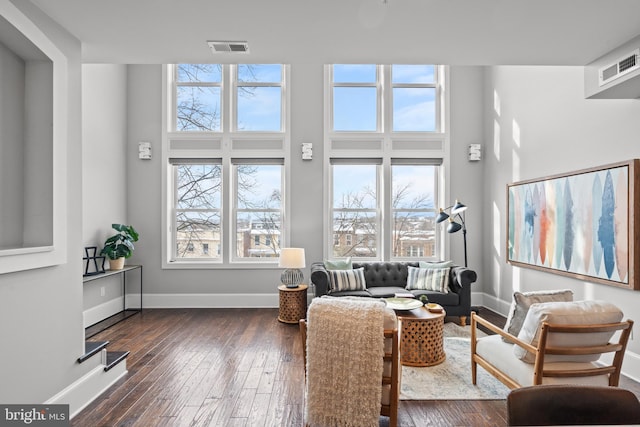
<point>451,380</point>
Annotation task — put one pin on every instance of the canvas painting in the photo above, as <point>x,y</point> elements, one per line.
<point>575,224</point>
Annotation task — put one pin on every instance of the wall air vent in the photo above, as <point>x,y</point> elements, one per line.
<point>624,65</point>
<point>228,47</point>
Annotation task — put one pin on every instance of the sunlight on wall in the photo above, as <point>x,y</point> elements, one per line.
<point>496,230</point>
<point>589,292</point>
<point>496,126</point>
<point>516,133</point>
<point>515,166</point>
<point>496,139</point>
<point>516,275</point>
<point>497,276</point>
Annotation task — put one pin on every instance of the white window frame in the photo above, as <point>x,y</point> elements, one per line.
<point>225,145</point>
<point>386,145</point>
<point>236,210</point>
<point>175,209</point>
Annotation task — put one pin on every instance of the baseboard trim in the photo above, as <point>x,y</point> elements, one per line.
<point>100,312</point>
<point>267,300</point>
<point>86,389</point>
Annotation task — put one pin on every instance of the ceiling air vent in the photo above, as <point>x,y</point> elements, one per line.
<point>621,67</point>
<point>228,47</point>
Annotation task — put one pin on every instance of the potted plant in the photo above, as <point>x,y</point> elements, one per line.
<point>120,245</point>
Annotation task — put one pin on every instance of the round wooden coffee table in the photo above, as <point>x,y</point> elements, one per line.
<point>421,337</point>
<point>293,304</point>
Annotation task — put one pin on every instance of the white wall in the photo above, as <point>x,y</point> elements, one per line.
<point>104,174</point>
<point>537,123</point>
<point>41,309</point>
<point>11,151</point>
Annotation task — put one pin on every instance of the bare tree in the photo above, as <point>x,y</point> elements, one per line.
<point>404,219</point>
<point>353,218</point>
<point>194,107</point>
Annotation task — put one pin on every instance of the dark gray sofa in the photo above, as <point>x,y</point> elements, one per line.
<point>384,279</point>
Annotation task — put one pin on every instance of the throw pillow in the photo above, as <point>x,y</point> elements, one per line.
<point>428,279</point>
<point>567,313</point>
<point>439,264</point>
<point>347,280</point>
<point>523,300</point>
<point>338,264</point>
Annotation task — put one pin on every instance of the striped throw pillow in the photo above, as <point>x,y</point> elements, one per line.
<point>428,279</point>
<point>347,280</point>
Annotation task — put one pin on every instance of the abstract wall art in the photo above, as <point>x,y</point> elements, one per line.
<point>581,224</point>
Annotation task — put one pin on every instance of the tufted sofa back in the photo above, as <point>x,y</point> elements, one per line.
<point>385,273</point>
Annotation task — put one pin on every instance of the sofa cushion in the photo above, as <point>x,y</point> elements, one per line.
<point>428,279</point>
<point>338,264</point>
<point>449,299</point>
<point>347,280</point>
<point>500,354</point>
<point>523,300</point>
<point>385,291</point>
<point>385,273</point>
<point>439,264</point>
<point>567,313</point>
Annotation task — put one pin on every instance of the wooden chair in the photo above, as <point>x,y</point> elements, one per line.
<point>515,373</point>
<point>572,405</point>
<point>391,372</point>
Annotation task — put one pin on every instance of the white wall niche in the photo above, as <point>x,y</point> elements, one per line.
<point>33,130</point>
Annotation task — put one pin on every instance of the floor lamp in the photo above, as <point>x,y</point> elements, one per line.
<point>457,212</point>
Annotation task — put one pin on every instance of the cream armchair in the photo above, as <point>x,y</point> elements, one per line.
<point>560,343</point>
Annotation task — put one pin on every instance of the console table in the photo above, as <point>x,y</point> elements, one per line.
<point>125,313</point>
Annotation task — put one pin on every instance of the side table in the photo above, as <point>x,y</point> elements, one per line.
<point>421,337</point>
<point>293,303</point>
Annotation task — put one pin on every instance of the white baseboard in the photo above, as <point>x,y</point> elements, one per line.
<point>210,300</point>
<point>631,366</point>
<point>491,302</point>
<point>100,312</point>
<point>85,390</point>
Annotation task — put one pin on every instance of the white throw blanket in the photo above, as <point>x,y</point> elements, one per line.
<point>345,350</point>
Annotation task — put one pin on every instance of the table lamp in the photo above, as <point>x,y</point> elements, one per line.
<point>293,260</point>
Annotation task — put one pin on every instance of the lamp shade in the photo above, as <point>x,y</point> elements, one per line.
<point>442,215</point>
<point>458,208</point>
<point>292,258</point>
<point>453,227</point>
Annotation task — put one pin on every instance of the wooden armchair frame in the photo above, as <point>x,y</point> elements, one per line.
<point>393,380</point>
<point>613,370</point>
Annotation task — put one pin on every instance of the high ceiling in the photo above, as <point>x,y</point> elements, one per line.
<point>471,32</point>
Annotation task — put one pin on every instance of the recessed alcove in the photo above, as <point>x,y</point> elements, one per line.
<point>32,147</point>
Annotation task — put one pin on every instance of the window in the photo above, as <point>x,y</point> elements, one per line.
<point>414,98</point>
<point>224,192</point>
<point>358,98</point>
<point>413,209</point>
<point>259,97</point>
<point>385,145</point>
<point>355,98</point>
<point>196,206</point>
<point>355,209</point>
<point>198,95</point>
<point>258,209</point>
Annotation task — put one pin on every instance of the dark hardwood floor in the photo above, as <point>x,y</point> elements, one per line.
<point>233,367</point>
